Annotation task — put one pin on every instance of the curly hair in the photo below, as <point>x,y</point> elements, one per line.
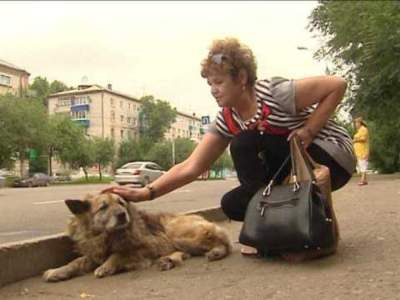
<point>229,56</point>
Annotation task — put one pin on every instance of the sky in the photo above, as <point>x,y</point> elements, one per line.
<point>154,48</point>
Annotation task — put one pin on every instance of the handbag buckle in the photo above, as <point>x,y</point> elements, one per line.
<point>261,207</point>
<point>267,190</point>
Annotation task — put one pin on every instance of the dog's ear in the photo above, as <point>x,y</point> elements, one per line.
<point>77,206</point>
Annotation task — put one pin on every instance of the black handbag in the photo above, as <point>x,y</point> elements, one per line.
<point>290,217</point>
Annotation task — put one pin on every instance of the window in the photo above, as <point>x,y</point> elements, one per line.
<point>81,100</point>
<point>112,115</point>
<point>112,102</point>
<point>4,79</point>
<point>122,118</point>
<point>112,133</point>
<point>122,134</point>
<point>129,106</point>
<point>121,104</point>
<point>79,114</point>
<point>64,101</point>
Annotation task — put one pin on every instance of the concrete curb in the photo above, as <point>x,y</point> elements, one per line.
<point>30,258</point>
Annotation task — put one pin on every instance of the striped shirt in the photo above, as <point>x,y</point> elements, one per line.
<point>278,95</point>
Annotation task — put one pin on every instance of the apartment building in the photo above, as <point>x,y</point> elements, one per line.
<point>107,113</point>
<point>186,126</point>
<point>12,78</point>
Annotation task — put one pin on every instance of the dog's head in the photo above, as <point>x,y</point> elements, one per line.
<point>106,212</point>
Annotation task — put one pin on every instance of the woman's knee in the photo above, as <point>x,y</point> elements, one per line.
<point>230,208</point>
<point>234,203</point>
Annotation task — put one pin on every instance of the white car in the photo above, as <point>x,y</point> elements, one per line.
<point>139,172</point>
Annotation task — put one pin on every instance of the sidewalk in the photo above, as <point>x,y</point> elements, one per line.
<point>367,265</point>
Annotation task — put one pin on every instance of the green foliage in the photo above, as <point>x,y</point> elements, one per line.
<point>39,164</point>
<point>155,117</point>
<point>161,153</point>
<point>24,125</point>
<point>366,50</point>
<point>223,162</point>
<point>183,148</point>
<point>41,88</point>
<point>129,150</point>
<point>104,152</point>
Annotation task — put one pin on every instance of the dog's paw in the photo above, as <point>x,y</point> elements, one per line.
<point>104,271</point>
<point>165,263</point>
<point>54,275</point>
<point>216,254</point>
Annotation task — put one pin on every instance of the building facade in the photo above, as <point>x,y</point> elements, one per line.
<point>110,114</point>
<point>13,79</point>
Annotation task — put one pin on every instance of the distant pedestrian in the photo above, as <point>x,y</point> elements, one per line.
<point>361,149</point>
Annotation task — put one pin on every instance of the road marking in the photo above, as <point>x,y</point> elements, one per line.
<point>15,232</point>
<point>48,202</point>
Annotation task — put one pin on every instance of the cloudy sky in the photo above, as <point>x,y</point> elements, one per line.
<point>154,47</point>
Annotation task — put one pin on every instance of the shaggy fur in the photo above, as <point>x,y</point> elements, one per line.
<point>113,236</point>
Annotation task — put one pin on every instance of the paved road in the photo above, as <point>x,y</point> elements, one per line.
<point>34,212</point>
<point>367,265</point>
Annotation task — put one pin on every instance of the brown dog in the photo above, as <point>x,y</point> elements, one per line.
<point>113,236</point>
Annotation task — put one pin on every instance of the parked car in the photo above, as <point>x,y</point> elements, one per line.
<point>37,179</point>
<point>140,172</point>
<point>59,177</point>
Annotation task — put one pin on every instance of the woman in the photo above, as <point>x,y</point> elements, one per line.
<point>257,119</point>
<point>361,148</point>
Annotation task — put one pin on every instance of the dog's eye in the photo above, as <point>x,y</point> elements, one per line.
<point>122,202</point>
<point>103,206</point>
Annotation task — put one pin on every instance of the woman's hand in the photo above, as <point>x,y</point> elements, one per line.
<point>129,193</point>
<point>304,134</point>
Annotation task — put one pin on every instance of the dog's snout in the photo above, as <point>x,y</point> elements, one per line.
<point>121,216</point>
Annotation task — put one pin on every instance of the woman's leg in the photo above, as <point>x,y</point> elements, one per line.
<point>339,176</point>
<point>256,159</point>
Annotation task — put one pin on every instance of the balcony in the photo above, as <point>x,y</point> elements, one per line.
<point>82,122</point>
<point>80,107</point>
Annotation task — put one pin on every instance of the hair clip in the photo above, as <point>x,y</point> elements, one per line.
<point>218,58</point>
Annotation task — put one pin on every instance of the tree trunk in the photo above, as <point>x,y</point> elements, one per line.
<point>22,164</point>
<point>100,172</point>
<point>86,174</point>
<point>50,166</point>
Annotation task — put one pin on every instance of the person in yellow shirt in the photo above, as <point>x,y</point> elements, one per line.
<point>361,148</point>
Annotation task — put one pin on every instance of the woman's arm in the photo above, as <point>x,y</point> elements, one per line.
<point>207,151</point>
<point>328,92</point>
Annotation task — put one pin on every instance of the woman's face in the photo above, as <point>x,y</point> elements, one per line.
<point>358,124</point>
<point>224,89</point>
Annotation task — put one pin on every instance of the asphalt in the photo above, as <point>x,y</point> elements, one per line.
<point>367,265</point>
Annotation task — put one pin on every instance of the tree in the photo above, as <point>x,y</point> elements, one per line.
<point>183,148</point>
<point>104,152</point>
<point>366,51</point>
<point>57,86</point>
<point>7,149</point>
<point>71,145</point>
<point>25,123</point>
<point>42,88</point>
<point>161,153</point>
<point>64,135</point>
<point>223,162</point>
<point>155,118</point>
<point>129,150</point>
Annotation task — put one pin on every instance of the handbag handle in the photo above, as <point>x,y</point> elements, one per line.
<point>309,166</point>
